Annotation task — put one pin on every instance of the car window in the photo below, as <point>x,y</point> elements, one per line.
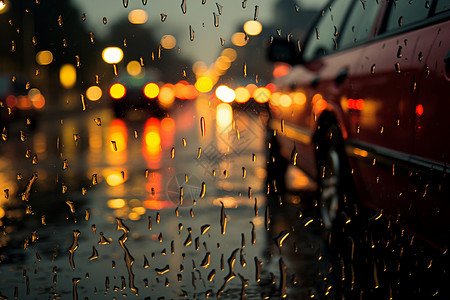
<point>323,38</point>
<point>442,6</point>
<point>404,13</point>
<point>359,23</point>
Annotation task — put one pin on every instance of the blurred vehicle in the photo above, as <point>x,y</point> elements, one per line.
<point>371,82</point>
<point>19,101</point>
<point>137,94</point>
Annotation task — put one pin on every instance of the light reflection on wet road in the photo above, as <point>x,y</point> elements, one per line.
<point>189,191</point>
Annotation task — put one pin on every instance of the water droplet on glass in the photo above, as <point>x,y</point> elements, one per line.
<point>255,16</point>
<point>105,20</point>
<point>94,254</point>
<point>73,248</point>
<point>317,34</point>
<point>244,69</point>
<point>94,179</point>
<point>162,271</point>
<point>400,21</point>
<point>372,69</point>
<point>114,145</point>
<point>206,260</point>
<point>4,134</point>
<point>125,3</point>
<point>172,153</point>
<point>103,240</point>
<point>23,138</point>
<point>163,17</point>
<point>219,8</point>
<point>183,6</point>
<point>98,121</point>
<point>77,60</point>
<point>216,19</point>
<point>60,21</point>
<point>381,129</point>
<point>83,17</point>
<point>191,33</point>
<point>358,128</point>
<point>203,190</point>
<point>397,68</point>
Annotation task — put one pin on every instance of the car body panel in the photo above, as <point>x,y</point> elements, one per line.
<point>386,108</point>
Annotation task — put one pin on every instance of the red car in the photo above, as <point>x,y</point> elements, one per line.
<point>369,102</point>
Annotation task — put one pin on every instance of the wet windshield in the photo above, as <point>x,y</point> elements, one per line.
<point>135,154</point>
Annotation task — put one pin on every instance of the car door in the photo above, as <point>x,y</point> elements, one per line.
<point>431,145</point>
<point>381,128</point>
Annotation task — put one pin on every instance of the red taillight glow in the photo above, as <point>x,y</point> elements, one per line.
<point>419,110</point>
<point>356,104</point>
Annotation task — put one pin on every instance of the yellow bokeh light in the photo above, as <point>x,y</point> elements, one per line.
<point>153,141</point>
<point>68,76</point>
<point>116,203</point>
<point>2,5</point>
<point>117,90</point>
<point>285,101</point>
<point>199,68</point>
<point>242,94</point>
<point>112,55</point>
<point>134,68</point>
<point>168,41</point>
<point>137,16</point>
<point>115,179</point>
<point>151,90</point>
<point>224,116</point>
<point>44,58</point>
<point>223,63</point>
<point>275,99</point>
<point>299,98</point>
<point>204,84</point>
<point>94,93</point>
<point>252,27</point>
<point>262,95</point>
<point>230,53</point>
<point>225,94</point>
<point>239,39</point>
<point>2,212</point>
<point>166,95</point>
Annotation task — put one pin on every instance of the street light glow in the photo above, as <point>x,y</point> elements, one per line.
<point>252,27</point>
<point>112,55</point>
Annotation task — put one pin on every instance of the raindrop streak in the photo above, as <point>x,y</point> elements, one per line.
<point>255,17</point>
<point>203,191</point>
<point>172,153</point>
<point>73,248</point>
<point>244,3</point>
<point>253,233</point>
<point>242,259</point>
<point>183,6</point>
<point>258,269</point>
<point>267,218</point>
<point>211,275</point>
<point>26,194</point>
<point>203,130</point>
<point>163,17</point>
<point>245,70</point>
<point>75,283</point>
<point>219,8</point>
<point>146,265</point>
<point>191,33</point>
<point>216,20</point>
<point>282,287</point>
<point>397,68</point>
<point>162,271</point>
<point>129,260</point>
<point>223,218</point>
<point>83,102</point>
<point>188,240</point>
<point>231,274</point>
<point>279,239</point>
<point>205,228</point>
<point>87,214</point>
<point>206,260</point>
<point>94,254</point>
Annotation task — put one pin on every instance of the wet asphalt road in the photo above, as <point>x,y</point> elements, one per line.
<point>133,208</point>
